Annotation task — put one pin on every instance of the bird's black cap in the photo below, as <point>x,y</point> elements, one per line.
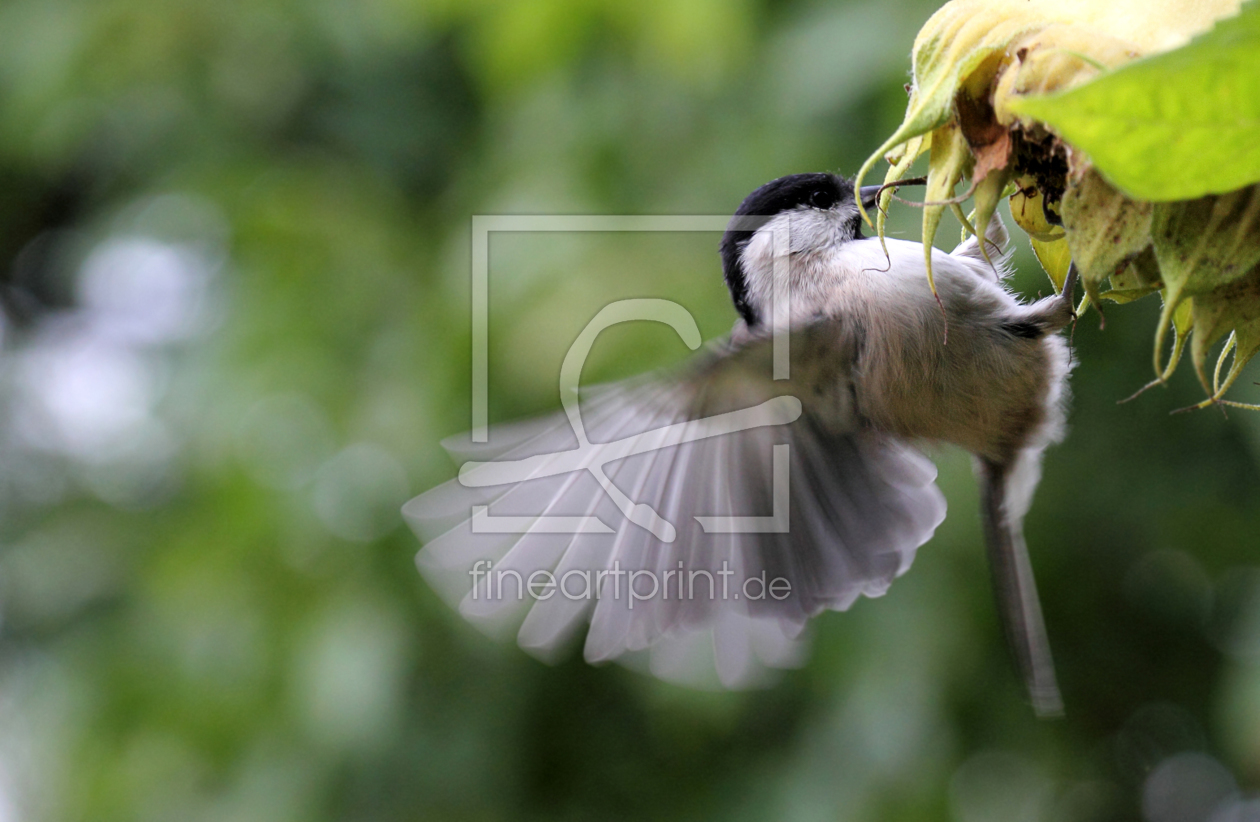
<point>815,190</point>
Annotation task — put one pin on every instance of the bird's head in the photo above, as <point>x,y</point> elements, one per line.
<point>811,212</point>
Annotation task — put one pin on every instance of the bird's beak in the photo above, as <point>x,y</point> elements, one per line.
<point>870,194</point>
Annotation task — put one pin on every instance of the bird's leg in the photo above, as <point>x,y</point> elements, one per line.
<point>1051,314</point>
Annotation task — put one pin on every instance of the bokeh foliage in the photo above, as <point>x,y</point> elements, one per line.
<point>236,325</point>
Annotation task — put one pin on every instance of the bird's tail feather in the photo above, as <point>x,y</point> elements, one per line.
<point>1014,586</point>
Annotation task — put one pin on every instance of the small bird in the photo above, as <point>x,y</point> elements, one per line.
<point>693,521</point>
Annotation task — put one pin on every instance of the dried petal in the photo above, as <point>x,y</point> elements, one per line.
<point>950,161</point>
<point>1234,307</point>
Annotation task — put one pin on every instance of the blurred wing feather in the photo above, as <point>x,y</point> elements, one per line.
<point>697,609</point>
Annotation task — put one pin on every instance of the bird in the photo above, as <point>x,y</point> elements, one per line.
<point>691,522</point>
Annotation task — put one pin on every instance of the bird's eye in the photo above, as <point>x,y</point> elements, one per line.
<point>821,199</point>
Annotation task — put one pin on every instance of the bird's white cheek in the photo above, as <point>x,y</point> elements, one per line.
<point>758,263</point>
<point>773,245</point>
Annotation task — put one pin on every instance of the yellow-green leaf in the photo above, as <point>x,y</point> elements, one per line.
<point>1173,126</point>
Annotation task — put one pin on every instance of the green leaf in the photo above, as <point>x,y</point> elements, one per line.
<point>1055,257</point>
<point>1173,126</point>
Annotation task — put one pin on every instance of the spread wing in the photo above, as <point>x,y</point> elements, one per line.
<point>695,524</point>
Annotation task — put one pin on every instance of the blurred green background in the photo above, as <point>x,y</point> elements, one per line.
<point>235,300</point>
